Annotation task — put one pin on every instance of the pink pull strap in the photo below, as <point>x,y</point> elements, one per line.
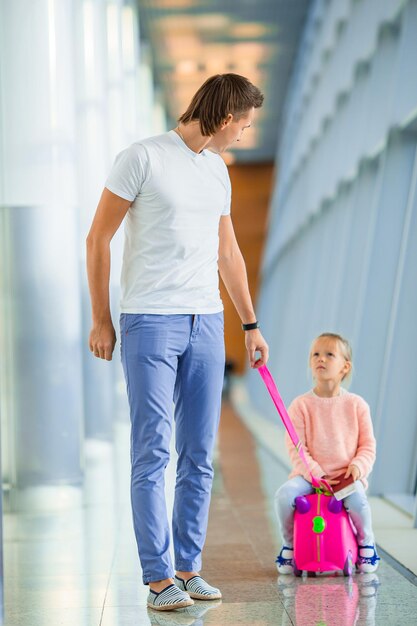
<point>283,413</point>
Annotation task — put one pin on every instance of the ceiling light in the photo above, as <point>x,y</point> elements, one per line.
<point>174,4</point>
<point>249,30</point>
<point>187,66</point>
<point>216,65</point>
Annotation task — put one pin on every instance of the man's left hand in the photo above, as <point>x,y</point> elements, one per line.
<point>254,342</point>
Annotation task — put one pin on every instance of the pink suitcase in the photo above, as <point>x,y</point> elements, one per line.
<point>324,538</point>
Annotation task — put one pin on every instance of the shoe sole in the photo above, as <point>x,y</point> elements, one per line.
<point>170,607</point>
<point>200,596</point>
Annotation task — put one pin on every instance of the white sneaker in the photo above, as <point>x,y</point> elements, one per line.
<point>367,559</point>
<point>284,561</point>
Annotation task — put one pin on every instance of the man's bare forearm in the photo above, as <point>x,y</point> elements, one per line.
<point>98,271</point>
<point>233,274</point>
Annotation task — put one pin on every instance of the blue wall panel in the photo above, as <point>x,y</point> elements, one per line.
<point>341,250</point>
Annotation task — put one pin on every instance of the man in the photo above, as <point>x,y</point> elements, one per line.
<point>174,190</point>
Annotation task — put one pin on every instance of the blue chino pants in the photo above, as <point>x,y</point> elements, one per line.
<point>172,359</point>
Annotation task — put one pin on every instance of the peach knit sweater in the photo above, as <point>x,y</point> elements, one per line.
<point>335,432</point>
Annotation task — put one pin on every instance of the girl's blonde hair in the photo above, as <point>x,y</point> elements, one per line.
<point>345,348</point>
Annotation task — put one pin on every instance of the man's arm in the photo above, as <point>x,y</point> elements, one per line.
<point>109,215</point>
<point>232,270</point>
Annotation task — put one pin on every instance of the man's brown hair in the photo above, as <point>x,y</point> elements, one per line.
<point>218,96</point>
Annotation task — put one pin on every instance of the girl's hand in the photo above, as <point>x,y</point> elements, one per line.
<point>353,471</point>
<point>331,482</point>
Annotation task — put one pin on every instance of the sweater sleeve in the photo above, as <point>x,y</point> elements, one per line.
<point>298,419</point>
<point>365,453</point>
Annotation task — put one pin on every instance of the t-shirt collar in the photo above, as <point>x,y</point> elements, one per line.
<point>175,136</point>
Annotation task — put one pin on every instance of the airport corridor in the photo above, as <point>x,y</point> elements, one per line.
<point>81,566</point>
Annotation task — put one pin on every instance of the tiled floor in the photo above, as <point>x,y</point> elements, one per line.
<point>79,567</point>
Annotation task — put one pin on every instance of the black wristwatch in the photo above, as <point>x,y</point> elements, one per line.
<point>250,326</point>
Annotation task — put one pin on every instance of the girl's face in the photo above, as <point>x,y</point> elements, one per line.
<point>327,361</point>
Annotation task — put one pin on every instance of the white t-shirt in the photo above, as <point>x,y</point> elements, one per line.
<point>172,227</point>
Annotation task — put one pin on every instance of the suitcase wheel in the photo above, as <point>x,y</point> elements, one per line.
<point>297,572</point>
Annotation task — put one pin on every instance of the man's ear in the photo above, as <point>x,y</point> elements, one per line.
<point>228,120</point>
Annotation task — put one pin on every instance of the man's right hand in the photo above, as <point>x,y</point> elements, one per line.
<point>109,215</point>
<point>102,340</point>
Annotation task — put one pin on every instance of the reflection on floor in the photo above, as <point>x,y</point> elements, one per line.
<point>80,567</point>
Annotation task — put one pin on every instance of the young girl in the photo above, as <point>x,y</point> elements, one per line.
<point>335,429</point>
